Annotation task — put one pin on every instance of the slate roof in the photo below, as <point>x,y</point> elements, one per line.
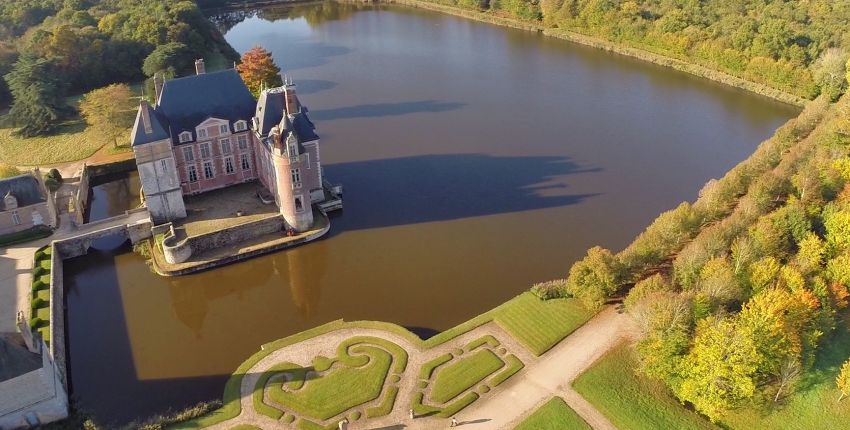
<point>188,101</point>
<point>270,109</point>
<point>25,188</point>
<point>16,360</point>
<point>159,127</point>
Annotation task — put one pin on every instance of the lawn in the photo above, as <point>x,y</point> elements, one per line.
<point>338,390</point>
<point>815,403</point>
<point>540,324</point>
<point>553,415</point>
<point>72,141</point>
<point>632,402</point>
<point>463,374</point>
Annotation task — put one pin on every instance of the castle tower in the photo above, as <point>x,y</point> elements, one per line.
<point>293,197</point>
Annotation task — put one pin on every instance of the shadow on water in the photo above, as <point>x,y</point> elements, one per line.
<point>303,55</point>
<point>313,86</point>
<point>426,188</point>
<point>384,109</point>
<point>423,333</point>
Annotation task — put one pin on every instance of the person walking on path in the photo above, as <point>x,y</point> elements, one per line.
<point>412,415</point>
<point>454,422</point>
<point>343,425</point>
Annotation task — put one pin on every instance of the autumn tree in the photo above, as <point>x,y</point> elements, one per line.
<point>258,70</point>
<point>108,109</point>
<point>829,72</point>
<point>595,278</point>
<point>843,380</point>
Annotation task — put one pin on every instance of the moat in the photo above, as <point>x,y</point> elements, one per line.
<point>476,161</point>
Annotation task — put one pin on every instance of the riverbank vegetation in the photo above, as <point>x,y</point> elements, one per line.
<point>736,294</point>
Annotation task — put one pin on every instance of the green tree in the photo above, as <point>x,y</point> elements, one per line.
<point>595,278</point>
<point>258,70</point>
<point>107,109</point>
<point>829,72</point>
<point>170,59</point>
<point>38,100</point>
<point>842,381</point>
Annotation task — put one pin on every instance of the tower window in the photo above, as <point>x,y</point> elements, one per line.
<point>223,128</point>
<point>16,219</point>
<point>185,137</point>
<point>296,178</point>
<point>299,207</point>
<point>202,133</point>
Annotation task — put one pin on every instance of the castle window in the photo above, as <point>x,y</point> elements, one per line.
<point>223,128</point>
<point>205,150</point>
<point>228,166</point>
<point>225,146</point>
<point>296,177</point>
<point>245,164</point>
<point>243,142</point>
<point>240,125</point>
<point>163,165</point>
<point>208,170</point>
<point>299,206</point>
<point>185,137</point>
<point>193,173</point>
<point>16,219</point>
<point>202,133</point>
<point>188,154</point>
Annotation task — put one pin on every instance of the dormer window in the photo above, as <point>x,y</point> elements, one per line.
<point>202,133</point>
<point>240,125</point>
<point>185,137</point>
<point>223,129</point>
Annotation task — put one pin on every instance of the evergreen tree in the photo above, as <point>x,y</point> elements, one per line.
<point>38,99</point>
<point>258,70</point>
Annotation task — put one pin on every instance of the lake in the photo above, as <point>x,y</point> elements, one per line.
<point>476,160</point>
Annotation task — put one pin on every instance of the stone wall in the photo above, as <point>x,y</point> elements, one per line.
<point>177,251</point>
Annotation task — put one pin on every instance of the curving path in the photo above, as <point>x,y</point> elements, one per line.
<point>542,378</point>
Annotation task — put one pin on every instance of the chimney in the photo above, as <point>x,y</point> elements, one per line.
<point>199,66</point>
<point>291,99</point>
<point>157,86</point>
<point>146,117</point>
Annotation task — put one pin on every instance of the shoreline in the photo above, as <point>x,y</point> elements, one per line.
<point>568,35</point>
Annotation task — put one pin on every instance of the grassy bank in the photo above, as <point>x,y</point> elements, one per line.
<point>553,415</point>
<point>631,401</point>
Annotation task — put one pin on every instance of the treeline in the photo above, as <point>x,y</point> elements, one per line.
<point>797,47</point>
<point>50,48</point>
<point>734,294</point>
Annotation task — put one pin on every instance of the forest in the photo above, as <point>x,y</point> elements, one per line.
<point>53,48</point>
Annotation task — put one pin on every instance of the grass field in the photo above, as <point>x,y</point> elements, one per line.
<point>539,324</point>
<point>463,374</point>
<point>553,415</point>
<point>631,402</point>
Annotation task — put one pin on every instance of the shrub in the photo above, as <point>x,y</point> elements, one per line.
<point>596,277</point>
<point>38,302</point>
<point>551,289</point>
<point>646,287</point>
<point>53,180</point>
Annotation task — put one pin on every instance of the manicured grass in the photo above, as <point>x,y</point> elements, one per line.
<point>338,390</point>
<point>814,405</point>
<point>72,141</point>
<point>427,369</point>
<point>514,365</point>
<point>553,415</point>
<point>633,402</point>
<point>463,374</point>
<point>539,324</point>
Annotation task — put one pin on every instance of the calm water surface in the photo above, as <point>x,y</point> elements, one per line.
<point>476,160</point>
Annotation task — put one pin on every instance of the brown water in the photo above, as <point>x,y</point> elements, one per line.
<point>476,160</point>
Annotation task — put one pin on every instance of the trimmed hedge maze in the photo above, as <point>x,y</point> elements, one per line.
<point>453,381</point>
<point>361,381</point>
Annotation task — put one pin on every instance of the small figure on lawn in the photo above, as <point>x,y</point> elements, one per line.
<point>454,422</point>
<point>412,416</point>
<point>343,425</point>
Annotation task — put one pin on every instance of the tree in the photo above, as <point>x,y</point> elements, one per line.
<point>258,70</point>
<point>843,380</point>
<point>53,180</point>
<point>37,94</point>
<point>595,278</point>
<point>170,59</point>
<point>107,109</point>
<point>829,72</point>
